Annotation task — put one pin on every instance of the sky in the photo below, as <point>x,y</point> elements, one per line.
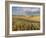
<point>26,11</point>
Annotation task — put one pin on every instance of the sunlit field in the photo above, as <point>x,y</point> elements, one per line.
<point>21,23</point>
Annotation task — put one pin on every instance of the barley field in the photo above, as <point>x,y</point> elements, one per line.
<point>21,23</point>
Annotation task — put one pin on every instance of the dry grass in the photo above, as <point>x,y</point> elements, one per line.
<point>25,23</point>
<point>34,18</point>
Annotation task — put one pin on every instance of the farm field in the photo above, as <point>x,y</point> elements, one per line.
<point>21,23</point>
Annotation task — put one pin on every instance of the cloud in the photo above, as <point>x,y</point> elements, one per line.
<point>25,11</point>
